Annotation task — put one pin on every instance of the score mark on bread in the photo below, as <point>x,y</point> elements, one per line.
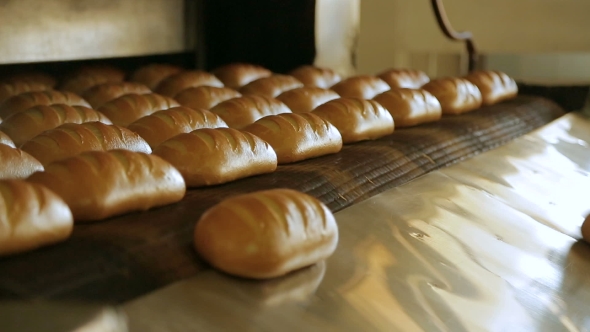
<point>242,111</point>
<point>361,86</point>
<point>495,86</point>
<point>271,86</point>
<point>410,107</point>
<point>236,75</point>
<point>17,164</point>
<point>27,100</point>
<point>315,76</point>
<point>266,234</point>
<point>456,95</point>
<point>205,97</point>
<point>124,110</point>
<point>404,78</point>
<point>174,84</point>
<point>306,99</point>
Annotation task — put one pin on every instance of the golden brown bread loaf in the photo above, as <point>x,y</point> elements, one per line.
<point>271,86</point>
<point>242,111</point>
<point>27,100</point>
<point>357,119</point>
<point>495,86</point>
<point>4,139</point>
<point>316,77</point>
<point>205,97</point>
<point>361,86</point>
<point>456,95</point>
<point>17,164</point>
<point>296,137</point>
<point>105,92</point>
<point>101,184</point>
<point>173,85</point>
<point>126,109</point>
<point>404,78</point>
<point>91,76</point>
<point>71,139</point>
<point>25,125</point>
<point>236,75</point>
<point>8,90</point>
<point>266,234</point>
<point>307,98</point>
<point>410,107</point>
<point>31,77</point>
<point>208,156</point>
<point>162,125</point>
<point>31,217</point>
<point>152,74</point>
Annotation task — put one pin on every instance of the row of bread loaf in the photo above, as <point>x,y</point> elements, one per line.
<point>324,130</point>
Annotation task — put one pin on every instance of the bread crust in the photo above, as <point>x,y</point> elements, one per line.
<point>495,86</point>
<point>236,75</point>
<point>88,77</point>
<point>163,125</point>
<point>71,139</point>
<point>266,234</point>
<point>315,76</point>
<point>103,93</point>
<point>17,164</point>
<point>361,86</point>
<point>174,84</point>
<point>26,100</point>
<point>404,78</point>
<point>357,119</point>
<point>31,216</point>
<point>5,139</point>
<point>98,184</point>
<point>271,86</point>
<point>126,109</point>
<point>205,97</point>
<point>296,137</point>
<point>456,95</point>
<point>151,75</point>
<point>209,156</point>
<point>8,90</point>
<point>410,107</point>
<point>306,99</point>
<point>243,111</point>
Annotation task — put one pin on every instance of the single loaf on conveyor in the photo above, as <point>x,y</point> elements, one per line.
<point>456,95</point>
<point>8,90</point>
<point>236,75</point>
<point>126,109</point>
<point>266,234</point>
<point>307,98</point>
<point>316,77</point>
<point>173,85</point>
<point>72,139</point>
<point>495,86</point>
<point>26,100</point>
<point>208,156</point>
<point>410,107</point>
<point>31,77</point>
<point>163,125</point>
<point>25,125</point>
<point>242,111</point>
<point>5,139</point>
<point>103,93</point>
<point>100,184</point>
<point>357,119</point>
<point>404,78</point>
<point>296,137</point>
<point>31,216</point>
<point>205,97</point>
<point>362,86</point>
<point>17,164</point>
<point>88,77</point>
<point>271,86</point>
<point>151,75</point>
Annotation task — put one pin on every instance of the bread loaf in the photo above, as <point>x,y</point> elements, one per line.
<point>27,100</point>
<point>357,119</point>
<point>316,77</point>
<point>4,139</point>
<point>266,234</point>
<point>362,87</point>
<point>31,216</point>
<point>162,125</point>
<point>103,93</point>
<point>456,95</point>
<point>72,139</point>
<point>32,78</point>
<point>8,90</point>
<point>271,86</point>
<point>152,74</point>
<point>91,76</point>
<point>410,107</point>
<point>126,109</point>
<point>306,99</point>
<point>99,184</point>
<point>208,156</point>
<point>404,78</point>
<point>173,85</point>
<point>17,164</point>
<point>296,137</point>
<point>495,86</point>
<point>236,75</point>
<point>205,97</point>
<point>242,111</point>
<point>25,125</point>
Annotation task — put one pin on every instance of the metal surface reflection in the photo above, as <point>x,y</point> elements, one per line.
<point>489,244</point>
